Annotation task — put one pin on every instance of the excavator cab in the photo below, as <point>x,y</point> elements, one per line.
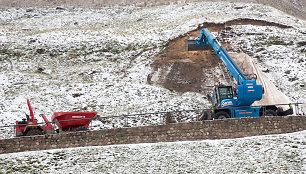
<point>220,93</point>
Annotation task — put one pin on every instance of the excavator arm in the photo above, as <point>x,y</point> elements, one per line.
<point>247,90</point>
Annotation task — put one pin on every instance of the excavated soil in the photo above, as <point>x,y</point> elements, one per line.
<point>183,71</point>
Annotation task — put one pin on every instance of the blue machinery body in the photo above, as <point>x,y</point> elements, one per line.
<point>226,101</point>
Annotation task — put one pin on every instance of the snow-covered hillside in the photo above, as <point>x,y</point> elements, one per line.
<point>263,154</point>
<point>99,59</point>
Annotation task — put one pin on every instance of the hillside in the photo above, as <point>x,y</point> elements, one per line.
<point>101,59</point>
<point>293,7</point>
<point>121,60</point>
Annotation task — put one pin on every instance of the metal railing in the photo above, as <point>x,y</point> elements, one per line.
<point>143,119</point>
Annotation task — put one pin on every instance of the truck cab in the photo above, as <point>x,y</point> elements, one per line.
<point>224,103</point>
<point>220,93</point>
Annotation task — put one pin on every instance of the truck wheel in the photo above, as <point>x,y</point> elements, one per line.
<point>270,112</point>
<point>280,111</point>
<point>222,115</point>
<point>81,129</point>
<point>34,132</point>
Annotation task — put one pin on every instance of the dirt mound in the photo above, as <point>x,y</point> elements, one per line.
<point>195,71</point>
<point>183,71</point>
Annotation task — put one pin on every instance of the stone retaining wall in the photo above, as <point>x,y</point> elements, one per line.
<point>215,129</point>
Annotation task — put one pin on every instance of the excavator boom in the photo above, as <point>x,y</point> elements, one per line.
<point>247,90</point>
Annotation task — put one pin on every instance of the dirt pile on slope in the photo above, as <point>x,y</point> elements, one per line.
<point>181,70</point>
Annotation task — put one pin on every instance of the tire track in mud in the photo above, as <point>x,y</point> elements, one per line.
<point>194,71</point>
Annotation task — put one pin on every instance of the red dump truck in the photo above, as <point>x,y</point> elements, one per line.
<point>65,121</point>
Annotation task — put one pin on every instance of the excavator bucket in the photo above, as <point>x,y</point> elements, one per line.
<point>194,45</point>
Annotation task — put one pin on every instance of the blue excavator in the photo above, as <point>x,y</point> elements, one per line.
<point>229,101</point>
